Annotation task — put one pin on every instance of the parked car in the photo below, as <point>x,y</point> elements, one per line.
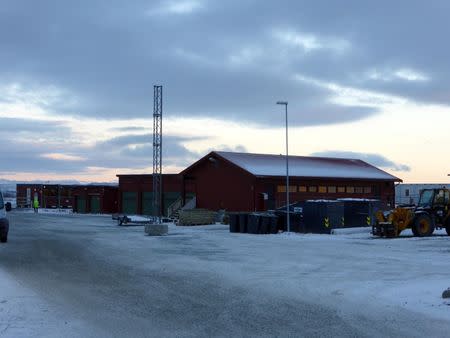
<point>4,223</point>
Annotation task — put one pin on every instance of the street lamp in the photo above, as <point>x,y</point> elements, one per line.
<point>285,104</point>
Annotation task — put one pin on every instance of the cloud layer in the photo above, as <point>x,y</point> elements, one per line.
<point>333,62</point>
<point>216,58</point>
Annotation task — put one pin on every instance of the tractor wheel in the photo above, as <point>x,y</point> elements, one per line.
<point>423,226</point>
<point>447,227</point>
<point>414,231</point>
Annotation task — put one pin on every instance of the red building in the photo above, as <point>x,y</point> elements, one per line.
<point>81,198</point>
<point>136,193</point>
<point>257,182</point>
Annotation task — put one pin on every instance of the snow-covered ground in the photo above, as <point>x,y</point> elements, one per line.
<point>408,272</point>
<point>394,283</point>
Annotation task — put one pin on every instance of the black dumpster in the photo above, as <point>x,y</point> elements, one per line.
<point>264,224</point>
<point>234,222</point>
<point>360,212</point>
<point>243,221</point>
<point>253,223</point>
<point>321,216</point>
<point>295,220</point>
<point>273,223</point>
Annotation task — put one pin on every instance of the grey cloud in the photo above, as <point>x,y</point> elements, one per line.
<point>110,56</point>
<point>28,155</point>
<point>129,129</point>
<point>374,159</point>
<point>103,57</point>
<point>223,147</point>
<point>22,125</point>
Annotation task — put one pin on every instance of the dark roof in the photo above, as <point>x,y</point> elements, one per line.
<point>305,166</point>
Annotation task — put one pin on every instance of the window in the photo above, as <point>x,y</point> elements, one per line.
<point>322,189</point>
<point>350,190</point>
<point>332,189</point>
<point>367,190</point>
<point>359,190</point>
<point>341,189</point>
<point>302,188</point>
<point>407,192</point>
<point>312,188</point>
<point>281,188</point>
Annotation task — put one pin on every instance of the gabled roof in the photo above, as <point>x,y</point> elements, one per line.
<point>305,166</point>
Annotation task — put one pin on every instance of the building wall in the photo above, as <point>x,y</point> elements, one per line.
<point>308,189</point>
<point>137,190</point>
<point>409,193</point>
<point>68,196</point>
<point>21,197</point>
<point>95,199</point>
<point>219,184</point>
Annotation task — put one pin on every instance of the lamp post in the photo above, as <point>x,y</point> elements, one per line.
<point>288,221</point>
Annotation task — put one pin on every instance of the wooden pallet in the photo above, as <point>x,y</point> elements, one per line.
<point>196,217</point>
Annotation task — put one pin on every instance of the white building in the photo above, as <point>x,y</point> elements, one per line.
<point>409,193</point>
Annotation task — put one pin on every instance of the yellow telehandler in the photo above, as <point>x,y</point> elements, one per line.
<point>432,212</point>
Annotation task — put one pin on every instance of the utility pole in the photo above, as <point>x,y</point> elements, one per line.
<point>157,152</point>
<point>288,219</point>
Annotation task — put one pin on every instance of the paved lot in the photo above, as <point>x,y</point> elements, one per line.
<point>82,276</point>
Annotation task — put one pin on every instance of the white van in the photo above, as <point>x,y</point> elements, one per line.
<point>4,224</point>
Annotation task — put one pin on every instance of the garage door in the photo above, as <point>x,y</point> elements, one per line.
<point>95,204</point>
<point>129,203</point>
<point>147,203</point>
<point>81,204</point>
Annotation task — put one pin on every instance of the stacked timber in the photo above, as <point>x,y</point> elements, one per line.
<point>197,217</point>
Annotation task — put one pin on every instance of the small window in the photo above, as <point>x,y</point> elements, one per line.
<point>367,190</point>
<point>359,190</point>
<point>341,189</point>
<point>350,190</point>
<point>302,188</point>
<point>332,189</point>
<point>322,189</point>
<point>282,188</point>
<point>407,192</point>
<point>312,188</point>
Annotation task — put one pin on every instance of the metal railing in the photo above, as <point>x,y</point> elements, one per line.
<point>175,206</point>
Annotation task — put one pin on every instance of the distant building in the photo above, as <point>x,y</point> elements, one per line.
<point>89,198</point>
<point>408,194</point>
<point>256,182</point>
<point>136,193</point>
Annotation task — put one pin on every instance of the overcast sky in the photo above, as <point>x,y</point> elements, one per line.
<point>364,79</point>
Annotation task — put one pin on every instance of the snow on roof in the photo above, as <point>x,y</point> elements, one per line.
<point>305,166</point>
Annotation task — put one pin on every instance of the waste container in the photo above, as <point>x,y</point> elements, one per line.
<point>253,223</point>
<point>295,220</point>
<point>234,222</point>
<point>243,219</point>
<point>359,212</point>
<point>264,224</point>
<point>273,223</point>
<point>321,216</point>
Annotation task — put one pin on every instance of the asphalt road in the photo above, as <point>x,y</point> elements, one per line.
<point>159,287</point>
